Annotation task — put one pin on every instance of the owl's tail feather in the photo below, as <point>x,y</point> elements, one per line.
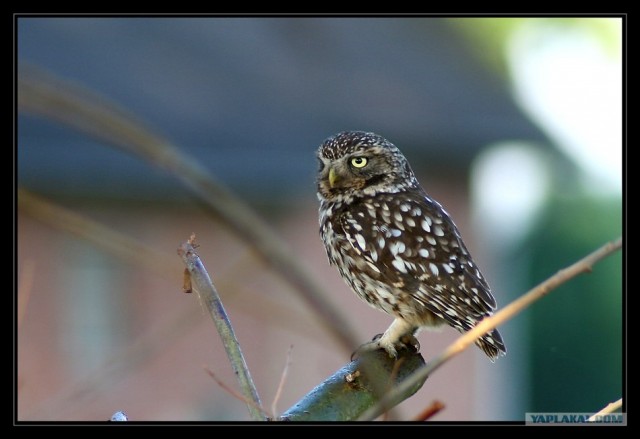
<point>492,345</point>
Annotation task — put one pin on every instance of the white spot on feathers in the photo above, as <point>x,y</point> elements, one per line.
<point>399,264</point>
<point>397,247</point>
<point>373,267</point>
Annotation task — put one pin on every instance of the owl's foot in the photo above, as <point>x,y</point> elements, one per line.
<point>407,341</point>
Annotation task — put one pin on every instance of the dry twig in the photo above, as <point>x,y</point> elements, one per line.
<point>610,408</point>
<point>283,378</point>
<point>429,412</point>
<point>202,285</point>
<point>236,395</point>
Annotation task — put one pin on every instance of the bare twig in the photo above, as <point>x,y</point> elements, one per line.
<point>208,294</point>
<point>429,412</point>
<point>236,394</point>
<point>87,112</point>
<point>283,378</point>
<point>610,408</point>
<point>584,265</point>
<point>389,414</point>
<point>106,238</point>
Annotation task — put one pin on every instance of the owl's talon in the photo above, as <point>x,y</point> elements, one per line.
<point>409,342</point>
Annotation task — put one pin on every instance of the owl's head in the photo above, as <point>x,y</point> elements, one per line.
<point>357,163</point>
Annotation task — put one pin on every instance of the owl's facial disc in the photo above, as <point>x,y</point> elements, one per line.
<point>357,164</point>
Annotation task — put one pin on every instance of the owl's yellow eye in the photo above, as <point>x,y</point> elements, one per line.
<point>359,162</point>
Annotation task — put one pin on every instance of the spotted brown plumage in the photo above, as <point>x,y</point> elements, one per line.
<point>396,247</point>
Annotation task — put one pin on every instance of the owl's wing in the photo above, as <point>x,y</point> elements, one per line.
<point>409,241</point>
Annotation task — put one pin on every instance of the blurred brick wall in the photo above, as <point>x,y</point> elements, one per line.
<point>101,334</point>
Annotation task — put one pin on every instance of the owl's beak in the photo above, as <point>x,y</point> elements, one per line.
<point>333,177</point>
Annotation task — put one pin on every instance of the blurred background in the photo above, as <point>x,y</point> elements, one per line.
<point>513,124</point>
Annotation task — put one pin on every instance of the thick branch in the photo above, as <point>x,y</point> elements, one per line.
<point>201,283</point>
<point>584,265</point>
<point>346,394</point>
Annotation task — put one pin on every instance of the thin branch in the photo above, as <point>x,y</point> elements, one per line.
<point>429,412</point>
<point>610,408</point>
<point>389,414</point>
<point>208,294</point>
<point>106,238</point>
<point>42,94</point>
<point>283,378</point>
<point>584,265</point>
<point>236,395</point>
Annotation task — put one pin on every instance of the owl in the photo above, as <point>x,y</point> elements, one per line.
<point>395,246</point>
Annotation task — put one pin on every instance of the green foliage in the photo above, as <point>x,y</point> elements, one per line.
<point>489,37</point>
<point>576,335</point>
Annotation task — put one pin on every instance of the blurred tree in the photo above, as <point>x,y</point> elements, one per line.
<point>575,354</point>
<point>576,335</point>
